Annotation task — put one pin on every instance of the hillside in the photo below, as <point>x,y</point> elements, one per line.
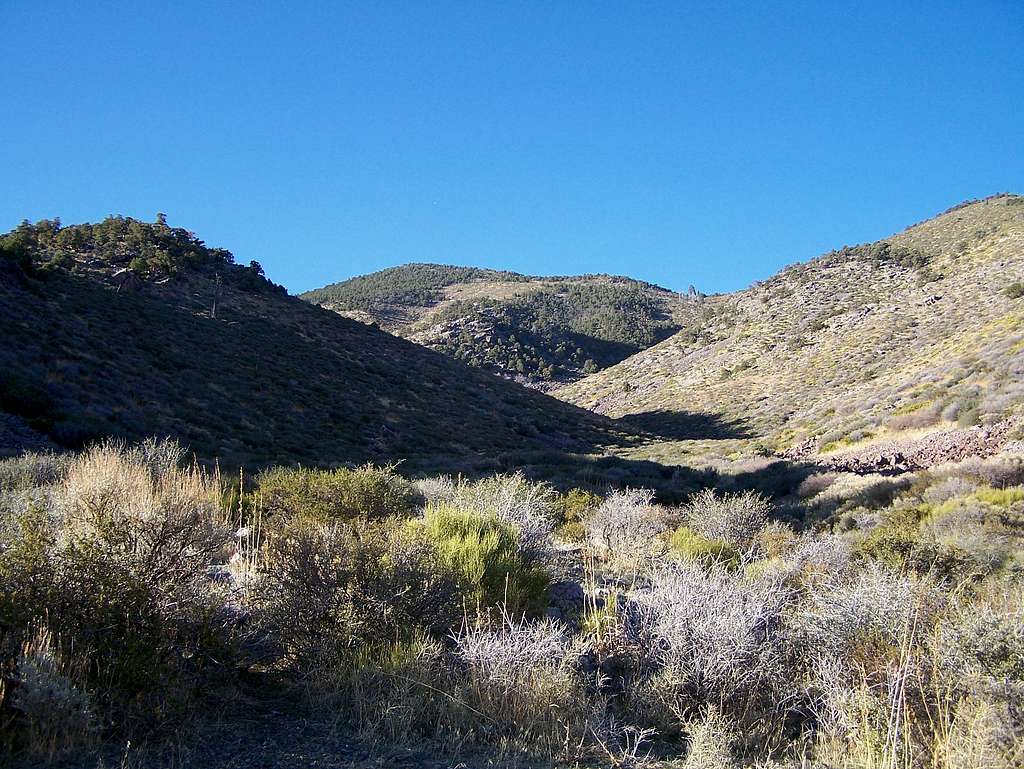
<point>131,329</point>
<point>918,332</point>
<point>541,331</point>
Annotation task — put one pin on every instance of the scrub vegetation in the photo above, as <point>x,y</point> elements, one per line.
<point>791,534</point>
<point>140,594</point>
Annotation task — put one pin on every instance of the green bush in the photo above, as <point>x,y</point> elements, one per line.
<point>1000,497</point>
<point>688,545</point>
<point>572,531</point>
<point>899,543</point>
<point>330,587</point>
<point>27,577</point>
<point>1015,290</point>
<point>575,505</point>
<point>337,495</point>
<point>485,555</point>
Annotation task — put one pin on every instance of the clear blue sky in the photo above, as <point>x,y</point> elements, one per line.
<point>706,143</point>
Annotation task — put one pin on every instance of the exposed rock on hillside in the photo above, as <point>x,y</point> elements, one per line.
<point>951,445</point>
<point>539,331</point>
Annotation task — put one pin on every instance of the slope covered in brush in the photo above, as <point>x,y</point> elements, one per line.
<point>538,330</point>
<point>130,329</point>
<point>921,329</point>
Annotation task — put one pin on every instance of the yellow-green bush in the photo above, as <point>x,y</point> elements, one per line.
<point>576,504</point>
<point>899,543</point>
<point>1000,497</point>
<point>572,531</point>
<point>688,545</point>
<point>27,577</point>
<point>485,555</point>
<point>332,495</point>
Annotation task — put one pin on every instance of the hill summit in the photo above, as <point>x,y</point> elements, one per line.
<point>541,331</point>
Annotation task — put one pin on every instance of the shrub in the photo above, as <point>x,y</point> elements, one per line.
<point>523,684</point>
<point>863,620</point>
<point>573,532</point>
<point>900,543</point>
<point>815,484</point>
<point>817,557</point>
<point>117,571</point>
<point>31,470</point>
<point>850,491</point>
<point>626,525</point>
<point>56,717</point>
<point>529,508</point>
<point>1000,497</point>
<point>710,738</point>
<point>330,495</point>
<point>576,505</point>
<point>139,537</point>
<point>984,641</point>
<point>485,555</point>
<point>948,489</point>
<point>397,691</point>
<point>690,546</point>
<point>978,650</point>
<point>1015,290</point>
<point>997,471</point>
<point>27,569</point>
<point>716,640</point>
<point>732,518</point>
<point>327,588</point>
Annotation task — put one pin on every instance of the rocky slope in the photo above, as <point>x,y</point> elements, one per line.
<point>921,331</point>
<point>540,331</point>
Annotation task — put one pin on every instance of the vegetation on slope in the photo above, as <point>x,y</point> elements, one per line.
<point>919,330</point>
<point>153,250</point>
<point>410,285</point>
<point>129,329</point>
<point>540,330</point>
<point>143,606</point>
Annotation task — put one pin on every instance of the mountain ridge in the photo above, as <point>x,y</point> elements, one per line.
<point>917,329</point>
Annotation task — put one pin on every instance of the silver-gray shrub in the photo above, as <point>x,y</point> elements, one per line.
<point>31,470</point>
<point>625,524</point>
<point>824,556</point>
<point>983,644</point>
<point>948,488</point>
<point>716,638</point>
<point>524,687</point>
<point>57,716</point>
<point>163,456</point>
<point>978,649</point>
<point>876,603</point>
<point>732,518</point>
<point>513,653</point>
<point>997,471</point>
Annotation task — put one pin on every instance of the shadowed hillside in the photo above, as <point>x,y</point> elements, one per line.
<point>919,331</point>
<point>131,329</point>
